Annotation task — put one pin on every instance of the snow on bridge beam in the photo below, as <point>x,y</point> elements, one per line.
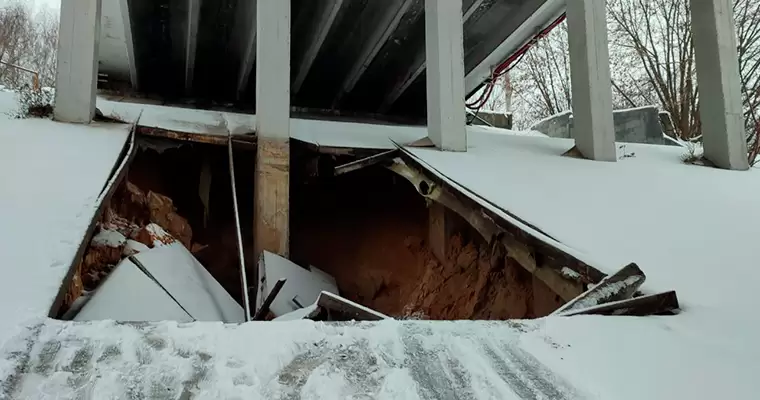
<point>418,66</point>
<point>320,30</point>
<point>388,23</point>
<point>445,77</point>
<point>721,109</point>
<point>77,68</point>
<point>593,126</point>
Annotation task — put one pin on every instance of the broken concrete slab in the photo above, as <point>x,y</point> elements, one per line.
<point>302,286</point>
<point>164,283</point>
<point>130,295</point>
<point>331,307</point>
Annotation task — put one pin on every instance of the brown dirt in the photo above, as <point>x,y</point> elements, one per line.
<point>368,230</point>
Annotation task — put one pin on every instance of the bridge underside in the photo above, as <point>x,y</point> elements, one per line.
<point>364,56</point>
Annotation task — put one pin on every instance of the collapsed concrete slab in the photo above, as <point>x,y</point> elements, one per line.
<point>164,283</point>
<point>302,286</point>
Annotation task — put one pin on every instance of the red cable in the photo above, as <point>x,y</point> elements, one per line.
<point>505,66</point>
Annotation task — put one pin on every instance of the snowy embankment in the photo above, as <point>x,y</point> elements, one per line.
<point>689,228</point>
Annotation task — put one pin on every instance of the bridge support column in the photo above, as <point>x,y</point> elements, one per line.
<point>445,74</point>
<point>77,69</point>
<point>719,86</point>
<point>593,127</point>
<point>272,178</point>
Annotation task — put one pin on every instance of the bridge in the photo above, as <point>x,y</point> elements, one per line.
<point>347,55</point>
<point>418,58</point>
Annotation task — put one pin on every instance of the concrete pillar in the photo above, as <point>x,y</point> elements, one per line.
<point>77,69</point>
<point>593,127</point>
<point>272,179</point>
<point>445,74</point>
<point>719,86</point>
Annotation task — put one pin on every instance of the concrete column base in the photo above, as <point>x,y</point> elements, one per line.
<point>272,197</point>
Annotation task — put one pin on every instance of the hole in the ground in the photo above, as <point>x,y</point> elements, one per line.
<point>186,190</point>
<point>370,229</point>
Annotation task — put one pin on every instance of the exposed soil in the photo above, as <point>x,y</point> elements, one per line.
<point>369,229</point>
<point>196,174</point>
<point>165,189</point>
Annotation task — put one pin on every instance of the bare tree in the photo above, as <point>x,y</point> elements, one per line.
<point>658,32</point>
<point>29,41</point>
<point>16,38</point>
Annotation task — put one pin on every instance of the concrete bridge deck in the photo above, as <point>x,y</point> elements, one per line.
<point>353,55</point>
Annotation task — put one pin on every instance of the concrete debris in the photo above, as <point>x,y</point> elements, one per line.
<point>165,283</point>
<point>302,286</point>
<point>331,307</point>
<point>306,293</point>
<point>133,222</point>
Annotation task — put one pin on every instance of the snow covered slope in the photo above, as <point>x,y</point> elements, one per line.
<point>689,228</point>
<point>51,175</point>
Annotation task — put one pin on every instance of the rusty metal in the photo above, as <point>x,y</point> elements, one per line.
<point>117,176</point>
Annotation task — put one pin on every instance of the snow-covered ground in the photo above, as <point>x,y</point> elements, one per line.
<point>689,228</point>
<point>51,175</point>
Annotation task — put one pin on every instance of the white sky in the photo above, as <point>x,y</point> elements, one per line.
<point>37,4</point>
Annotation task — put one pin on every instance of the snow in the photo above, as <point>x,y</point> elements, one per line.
<point>569,273</point>
<point>592,299</point>
<point>689,228</point>
<point>132,247</point>
<point>52,177</point>
<point>300,283</point>
<point>109,238</point>
<point>297,359</point>
<point>190,284</point>
<point>130,295</point>
<point>322,133</point>
<point>301,313</point>
<point>549,118</point>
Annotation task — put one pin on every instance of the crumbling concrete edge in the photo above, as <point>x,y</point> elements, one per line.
<point>491,228</point>
<point>118,174</point>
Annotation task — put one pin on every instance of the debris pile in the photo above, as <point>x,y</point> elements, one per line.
<point>133,222</point>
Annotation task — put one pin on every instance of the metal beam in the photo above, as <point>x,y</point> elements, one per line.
<point>365,162</point>
<point>388,23</point>
<point>321,29</point>
<point>129,41</point>
<point>418,66</point>
<point>191,40</point>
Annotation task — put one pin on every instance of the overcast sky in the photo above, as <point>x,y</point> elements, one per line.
<point>37,4</point>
